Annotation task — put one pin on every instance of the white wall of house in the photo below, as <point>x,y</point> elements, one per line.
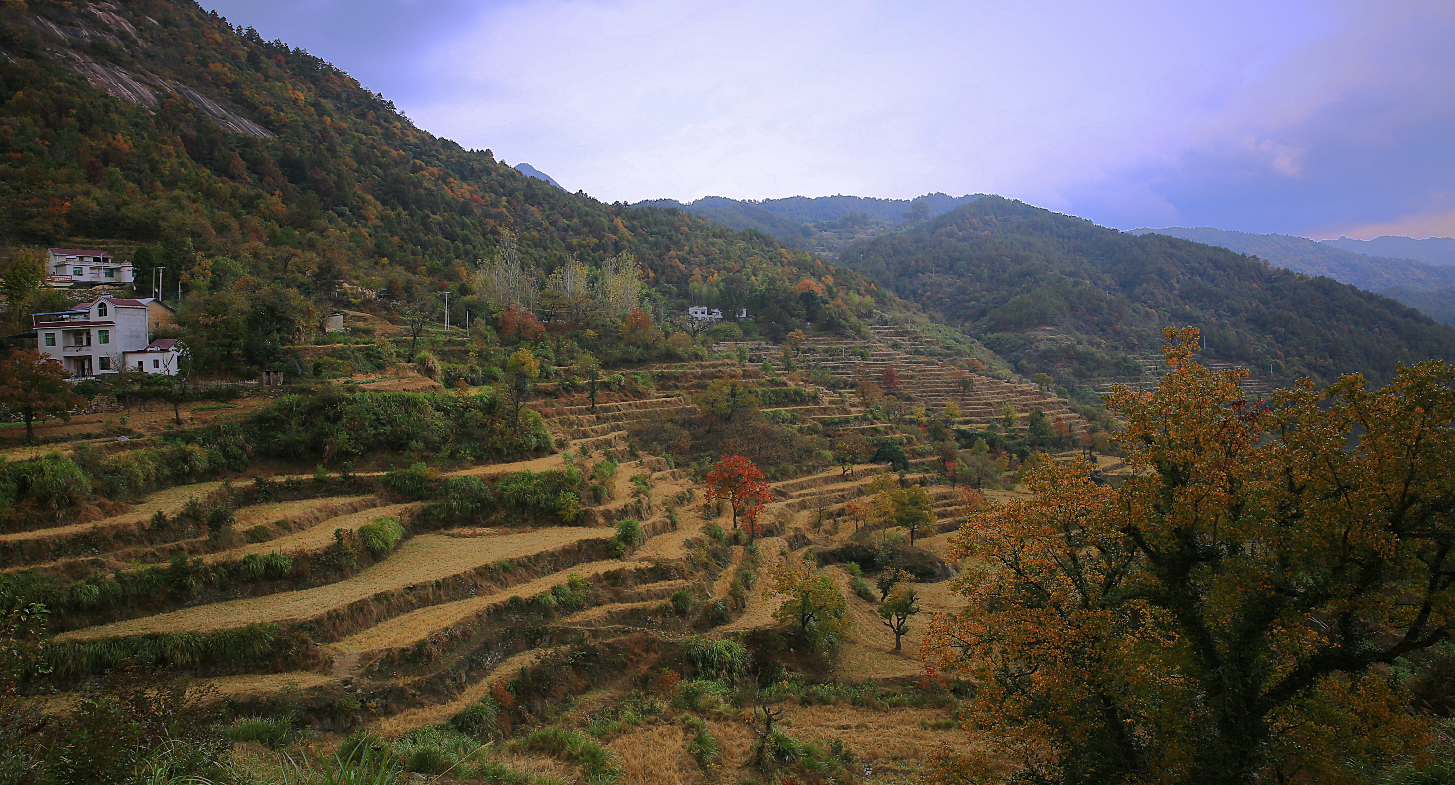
<point>75,267</point>
<point>162,361</point>
<point>93,338</point>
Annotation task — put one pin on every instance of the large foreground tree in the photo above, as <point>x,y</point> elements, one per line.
<point>1228,615</point>
<point>32,385</point>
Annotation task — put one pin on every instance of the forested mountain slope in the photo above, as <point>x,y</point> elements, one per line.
<point>823,224</point>
<point>1059,294</point>
<point>265,173</point>
<point>1375,273</point>
<point>1427,287</point>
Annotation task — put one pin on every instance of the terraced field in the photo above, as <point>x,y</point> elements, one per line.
<point>427,627</point>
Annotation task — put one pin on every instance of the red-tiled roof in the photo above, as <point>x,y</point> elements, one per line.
<point>112,300</point>
<point>76,252</point>
<point>163,344</point>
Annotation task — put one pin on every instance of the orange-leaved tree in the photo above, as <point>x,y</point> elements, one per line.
<point>1226,614</point>
<point>737,480</point>
<point>33,384</point>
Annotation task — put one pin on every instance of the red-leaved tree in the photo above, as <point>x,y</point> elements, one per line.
<point>890,378</point>
<point>518,322</point>
<point>737,480</point>
<point>34,384</point>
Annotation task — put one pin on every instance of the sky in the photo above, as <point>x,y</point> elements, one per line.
<point>1316,118</point>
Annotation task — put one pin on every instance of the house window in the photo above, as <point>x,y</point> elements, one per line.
<point>77,271</point>
<point>139,366</point>
<point>50,339</point>
<point>105,363</point>
<point>109,273</point>
<point>156,363</point>
<point>101,310</point>
<point>104,336</point>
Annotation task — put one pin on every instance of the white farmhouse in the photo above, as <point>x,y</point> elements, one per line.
<point>100,337</point>
<point>159,356</point>
<point>67,267</point>
<point>702,313</point>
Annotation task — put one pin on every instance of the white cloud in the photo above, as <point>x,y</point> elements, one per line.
<point>644,98</point>
<point>1265,115</point>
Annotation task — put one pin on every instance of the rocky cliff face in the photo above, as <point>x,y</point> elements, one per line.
<point>103,26</point>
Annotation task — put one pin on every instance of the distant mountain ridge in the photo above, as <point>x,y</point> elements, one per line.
<point>1432,250</point>
<point>1418,284</point>
<point>530,171</point>
<point>822,224</point>
<point>817,209</point>
<point>1085,303</point>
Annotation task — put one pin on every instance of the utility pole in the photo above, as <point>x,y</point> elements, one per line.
<point>447,310</point>
<point>157,278</point>
<point>467,325</point>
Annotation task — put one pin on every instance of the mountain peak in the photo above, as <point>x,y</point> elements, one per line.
<point>531,171</point>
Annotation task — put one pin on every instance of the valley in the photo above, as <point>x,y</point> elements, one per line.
<point>335,451</point>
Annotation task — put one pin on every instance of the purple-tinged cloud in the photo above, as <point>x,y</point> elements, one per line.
<point>1314,117</point>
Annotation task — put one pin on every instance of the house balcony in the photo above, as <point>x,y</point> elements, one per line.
<point>71,348</point>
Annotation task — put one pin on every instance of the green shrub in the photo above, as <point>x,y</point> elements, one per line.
<point>701,694</point>
<point>461,500</point>
<point>54,481</point>
<point>715,532</point>
<point>596,761</point>
<point>703,747</point>
<point>478,720</point>
<point>433,750</point>
<point>682,602</point>
<point>861,588</point>
<point>717,658</point>
<point>529,494</point>
<point>784,750</point>
<point>629,535</point>
<point>414,483</point>
<point>268,731</point>
<point>255,566</point>
<point>498,773</point>
<point>381,535</point>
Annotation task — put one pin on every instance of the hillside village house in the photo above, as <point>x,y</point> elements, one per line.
<point>702,313</point>
<point>68,267</point>
<point>104,336</point>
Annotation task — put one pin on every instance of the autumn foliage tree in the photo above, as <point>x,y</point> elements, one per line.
<point>813,604</point>
<point>521,324</point>
<point>889,378</point>
<point>738,481</point>
<point>909,507</point>
<point>725,399</point>
<point>33,384</point>
<point>851,449</point>
<point>522,368</point>
<point>637,329</point>
<point>1226,614</point>
<point>898,608</point>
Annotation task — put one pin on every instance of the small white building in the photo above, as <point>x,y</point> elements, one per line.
<point>67,267</point>
<point>702,313</point>
<point>160,356</point>
<point>94,338</point>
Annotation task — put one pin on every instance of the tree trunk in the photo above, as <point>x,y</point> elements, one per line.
<point>29,417</point>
